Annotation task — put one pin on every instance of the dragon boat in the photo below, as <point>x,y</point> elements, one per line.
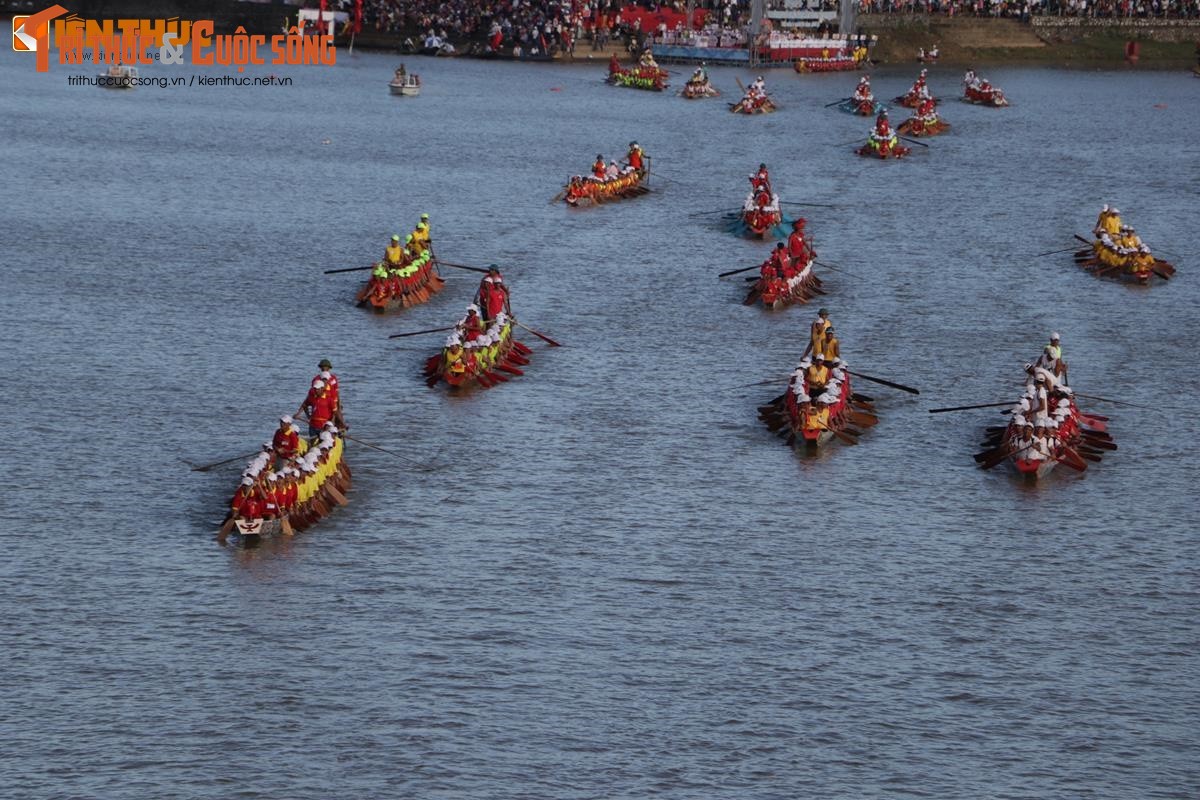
<point>488,360</point>
<point>759,223</point>
<point>299,496</point>
<point>695,90</point>
<point>745,106</point>
<point>1139,266</point>
<point>920,126</point>
<point>651,79</point>
<point>1073,437</point>
<point>883,150</point>
<point>984,94</point>
<point>863,108</point>
<point>779,292</point>
<point>807,423</point>
<point>581,191</point>
<point>388,290</point>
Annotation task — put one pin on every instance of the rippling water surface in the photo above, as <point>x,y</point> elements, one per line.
<point>617,583</point>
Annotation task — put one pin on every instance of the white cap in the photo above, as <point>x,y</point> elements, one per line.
<point>286,419</point>
<point>1054,337</point>
<point>268,446</point>
<point>1116,211</point>
<point>1105,208</point>
<point>326,374</point>
<point>329,426</point>
<point>247,482</point>
<point>271,476</point>
<point>1064,403</point>
<point>802,397</point>
<point>318,384</point>
<point>473,307</point>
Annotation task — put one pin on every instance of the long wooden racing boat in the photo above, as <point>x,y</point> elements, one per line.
<point>744,106</point>
<point>301,494</point>
<point>1074,436</point>
<point>582,191</point>
<point>484,362</point>
<point>388,290</point>
<point>1139,268</point>
<point>985,95</point>
<point>760,223</point>
<point>776,292</point>
<point>807,423</point>
<point>651,79</point>
<point>912,99</point>
<point>884,151</point>
<point>863,108</point>
<point>699,90</point>
<point>916,126</point>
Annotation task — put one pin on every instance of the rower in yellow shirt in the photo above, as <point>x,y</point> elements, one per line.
<point>421,234</point>
<point>394,253</point>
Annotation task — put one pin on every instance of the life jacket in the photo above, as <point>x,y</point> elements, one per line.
<point>394,254</point>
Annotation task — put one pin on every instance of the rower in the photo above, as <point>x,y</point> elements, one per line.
<point>599,168</point>
<point>635,156</point>
<point>799,249</point>
<point>761,179</point>
<point>471,326</point>
<point>1056,351</point>
<point>326,374</point>
<point>647,59</point>
<point>1112,223</point>
<point>612,172</point>
<point>817,375</point>
<point>780,261</point>
<point>318,406</point>
<point>971,80</point>
<point>394,254</point>
<point>493,295</point>
<point>832,346</point>
<point>286,441</point>
<point>421,234</point>
<point>817,332</point>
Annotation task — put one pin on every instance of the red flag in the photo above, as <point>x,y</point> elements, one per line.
<point>321,24</point>
<point>358,16</point>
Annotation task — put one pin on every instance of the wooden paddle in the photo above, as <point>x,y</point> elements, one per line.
<point>835,269</point>
<point>348,269</point>
<point>207,467</point>
<point>1088,242</point>
<point>996,457</point>
<point>1071,459</point>
<point>969,408</point>
<point>845,437</point>
<point>389,452</point>
<point>541,336</point>
<point>558,197</point>
<point>461,266</point>
<point>813,205</point>
<point>1054,252</point>
<point>418,333</point>
<point>899,386</point>
<point>736,271</point>
<point>912,141</point>
<point>836,102</point>
<point>1114,402</point>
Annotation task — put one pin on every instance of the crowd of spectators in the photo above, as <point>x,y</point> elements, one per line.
<point>516,27</point>
<point>1024,9</point>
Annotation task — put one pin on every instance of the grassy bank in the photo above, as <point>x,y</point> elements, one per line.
<point>966,42</point>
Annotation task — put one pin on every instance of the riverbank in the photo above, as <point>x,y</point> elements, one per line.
<point>1055,42</point>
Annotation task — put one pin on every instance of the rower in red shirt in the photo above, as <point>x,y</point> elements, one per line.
<point>779,258</point>
<point>599,168</point>
<point>286,441</point>
<point>761,180</point>
<point>471,325</point>
<point>319,406</point>
<point>798,247</point>
<point>493,297</point>
<point>882,127</point>
<point>635,156</point>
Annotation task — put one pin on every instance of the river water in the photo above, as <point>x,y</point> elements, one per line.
<point>614,583</point>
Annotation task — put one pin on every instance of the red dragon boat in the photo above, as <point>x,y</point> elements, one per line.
<point>763,105</point>
<point>778,292</point>
<point>984,94</point>
<point>388,290</point>
<point>1068,437</point>
<point>917,94</point>
<point>884,150</point>
<point>581,191</point>
<point>928,125</point>
<point>486,361</point>
<point>281,498</point>
<point>761,222</point>
<point>646,75</point>
<point>807,423</point>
